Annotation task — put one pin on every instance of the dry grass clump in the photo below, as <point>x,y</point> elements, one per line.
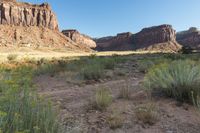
<point>115,120</point>
<point>125,92</point>
<point>147,113</point>
<point>102,99</point>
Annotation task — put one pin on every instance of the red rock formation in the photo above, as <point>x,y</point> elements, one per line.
<point>33,26</point>
<point>25,14</point>
<point>80,39</point>
<point>158,38</point>
<point>153,35</point>
<point>123,41</point>
<point>189,38</point>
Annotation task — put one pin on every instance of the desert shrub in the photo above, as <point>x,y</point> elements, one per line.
<point>174,56</point>
<point>115,120</point>
<point>125,92</point>
<point>21,109</point>
<point>47,69</point>
<point>178,79</point>
<point>12,57</point>
<point>147,113</point>
<point>108,63</point>
<point>103,99</point>
<point>92,72</point>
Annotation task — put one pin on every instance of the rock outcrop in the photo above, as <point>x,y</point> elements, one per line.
<point>25,14</point>
<point>123,41</point>
<point>37,38</point>
<point>154,35</point>
<point>189,38</point>
<point>80,39</point>
<point>158,38</point>
<point>32,26</point>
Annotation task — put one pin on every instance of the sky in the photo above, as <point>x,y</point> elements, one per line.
<point>99,18</point>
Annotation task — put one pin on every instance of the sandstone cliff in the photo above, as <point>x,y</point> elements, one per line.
<point>80,39</point>
<point>35,38</point>
<point>33,26</point>
<point>158,38</point>
<point>123,41</point>
<point>25,14</point>
<point>189,38</point>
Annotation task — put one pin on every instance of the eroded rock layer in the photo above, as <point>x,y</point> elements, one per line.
<point>123,41</point>
<point>80,39</point>
<point>154,35</point>
<point>25,14</point>
<point>36,37</point>
<point>158,38</point>
<point>189,38</point>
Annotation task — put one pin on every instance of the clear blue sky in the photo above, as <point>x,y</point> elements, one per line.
<point>99,18</point>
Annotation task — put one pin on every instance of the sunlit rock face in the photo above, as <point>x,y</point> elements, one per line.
<point>79,38</point>
<point>26,14</point>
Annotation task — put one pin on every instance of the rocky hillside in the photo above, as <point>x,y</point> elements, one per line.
<point>79,38</point>
<point>189,38</point>
<point>34,26</point>
<point>158,38</point>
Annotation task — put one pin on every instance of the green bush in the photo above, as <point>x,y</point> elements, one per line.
<point>21,109</point>
<point>102,99</point>
<point>178,79</point>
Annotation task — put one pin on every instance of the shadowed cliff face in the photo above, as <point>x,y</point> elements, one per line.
<point>25,14</point>
<point>159,38</point>
<point>189,38</point>
<point>123,41</point>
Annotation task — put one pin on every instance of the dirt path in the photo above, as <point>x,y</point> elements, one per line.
<point>77,114</point>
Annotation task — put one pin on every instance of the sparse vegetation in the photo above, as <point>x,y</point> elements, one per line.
<point>21,110</point>
<point>103,99</point>
<point>147,113</point>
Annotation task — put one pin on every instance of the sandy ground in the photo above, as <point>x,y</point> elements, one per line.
<point>74,101</point>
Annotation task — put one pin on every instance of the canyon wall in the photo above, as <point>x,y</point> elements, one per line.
<point>189,38</point>
<point>123,41</point>
<point>158,38</point>
<point>25,14</point>
<point>79,38</point>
